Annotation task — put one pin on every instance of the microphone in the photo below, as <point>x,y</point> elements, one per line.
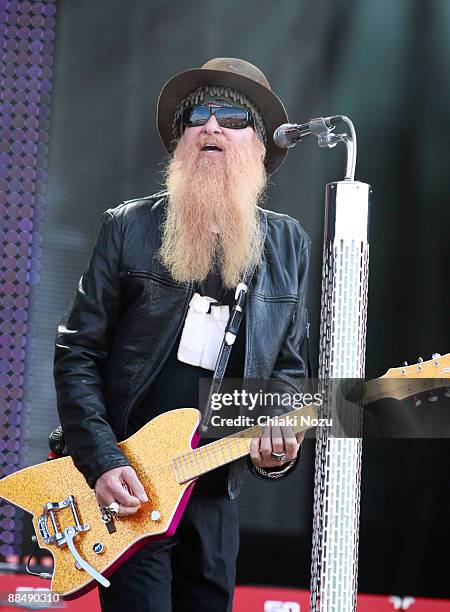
<point>288,134</point>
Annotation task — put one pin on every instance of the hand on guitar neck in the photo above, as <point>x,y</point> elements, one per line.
<point>121,485</point>
<point>277,440</point>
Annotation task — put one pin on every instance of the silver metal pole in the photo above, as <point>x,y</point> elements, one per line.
<point>334,567</point>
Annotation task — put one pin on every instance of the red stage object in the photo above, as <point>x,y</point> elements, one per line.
<point>247,599</point>
<point>263,599</point>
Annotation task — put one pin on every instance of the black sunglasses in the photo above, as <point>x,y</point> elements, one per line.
<point>227,116</point>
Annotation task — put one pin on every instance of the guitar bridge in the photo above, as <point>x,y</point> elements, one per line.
<point>50,510</point>
<point>66,537</point>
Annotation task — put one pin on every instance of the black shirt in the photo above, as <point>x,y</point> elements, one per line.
<point>177,383</point>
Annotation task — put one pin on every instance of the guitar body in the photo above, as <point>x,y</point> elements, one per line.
<point>150,451</point>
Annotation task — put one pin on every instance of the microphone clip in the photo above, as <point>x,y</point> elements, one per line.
<point>323,128</point>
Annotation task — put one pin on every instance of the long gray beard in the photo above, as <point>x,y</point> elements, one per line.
<point>212,217</point>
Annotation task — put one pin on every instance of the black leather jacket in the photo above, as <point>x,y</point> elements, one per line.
<point>126,315</point>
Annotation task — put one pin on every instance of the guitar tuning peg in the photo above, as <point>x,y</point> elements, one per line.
<point>405,363</point>
<point>420,360</point>
<point>432,397</point>
<point>436,355</point>
<point>416,402</point>
<point>447,392</point>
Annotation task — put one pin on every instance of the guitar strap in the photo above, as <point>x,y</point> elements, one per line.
<point>231,331</point>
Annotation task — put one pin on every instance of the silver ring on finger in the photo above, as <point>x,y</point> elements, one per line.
<point>278,456</point>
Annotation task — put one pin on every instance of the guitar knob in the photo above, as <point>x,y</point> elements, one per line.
<point>98,548</point>
<point>155,515</point>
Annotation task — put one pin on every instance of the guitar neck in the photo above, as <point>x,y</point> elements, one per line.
<point>396,388</point>
<point>220,452</point>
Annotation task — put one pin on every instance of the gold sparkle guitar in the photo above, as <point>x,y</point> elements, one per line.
<point>88,543</point>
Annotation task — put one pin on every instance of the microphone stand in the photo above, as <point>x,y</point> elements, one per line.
<point>334,566</point>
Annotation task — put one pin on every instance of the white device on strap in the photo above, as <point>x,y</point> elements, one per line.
<point>203,332</point>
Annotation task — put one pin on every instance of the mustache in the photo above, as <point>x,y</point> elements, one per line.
<point>213,139</point>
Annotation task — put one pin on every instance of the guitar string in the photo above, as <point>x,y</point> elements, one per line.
<point>222,444</point>
<point>143,470</point>
<point>195,455</point>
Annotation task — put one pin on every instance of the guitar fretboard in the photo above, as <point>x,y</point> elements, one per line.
<point>220,452</point>
<point>400,389</point>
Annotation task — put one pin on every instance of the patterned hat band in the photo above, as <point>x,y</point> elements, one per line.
<point>208,93</point>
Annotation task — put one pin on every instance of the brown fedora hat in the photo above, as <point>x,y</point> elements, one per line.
<point>226,72</point>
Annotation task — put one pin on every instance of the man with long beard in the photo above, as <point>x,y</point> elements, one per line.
<point>122,356</point>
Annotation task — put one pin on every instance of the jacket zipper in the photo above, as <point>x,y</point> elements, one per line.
<point>285,299</point>
<point>147,383</point>
<point>146,274</point>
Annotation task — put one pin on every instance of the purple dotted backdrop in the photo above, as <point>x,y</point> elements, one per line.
<point>27,41</point>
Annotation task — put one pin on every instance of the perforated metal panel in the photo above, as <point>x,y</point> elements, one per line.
<point>342,355</point>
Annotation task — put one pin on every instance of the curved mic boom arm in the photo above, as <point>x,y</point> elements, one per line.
<point>328,138</point>
<point>290,134</point>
